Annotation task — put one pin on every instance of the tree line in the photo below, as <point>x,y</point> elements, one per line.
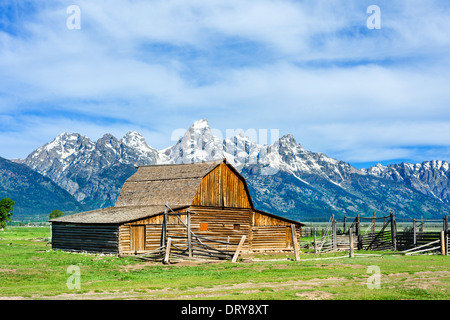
<point>7,209</point>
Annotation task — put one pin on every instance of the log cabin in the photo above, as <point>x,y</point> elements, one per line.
<point>211,199</point>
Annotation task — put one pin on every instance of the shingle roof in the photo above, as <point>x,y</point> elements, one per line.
<point>114,214</point>
<point>158,184</point>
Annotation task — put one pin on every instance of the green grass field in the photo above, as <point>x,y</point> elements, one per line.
<point>29,269</point>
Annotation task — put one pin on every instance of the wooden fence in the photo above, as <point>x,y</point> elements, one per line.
<point>380,234</point>
<point>416,236</point>
<point>407,240</point>
<point>182,242</point>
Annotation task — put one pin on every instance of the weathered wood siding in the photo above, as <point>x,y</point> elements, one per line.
<point>273,238</point>
<point>152,235</point>
<point>85,237</point>
<point>263,232</point>
<point>272,233</point>
<point>222,224</point>
<point>222,188</point>
<point>260,219</point>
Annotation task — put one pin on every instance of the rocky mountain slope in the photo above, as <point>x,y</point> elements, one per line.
<point>284,178</point>
<point>429,177</point>
<point>93,172</point>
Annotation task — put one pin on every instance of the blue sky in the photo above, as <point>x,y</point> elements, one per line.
<point>309,68</point>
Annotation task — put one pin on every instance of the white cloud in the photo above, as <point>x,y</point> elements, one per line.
<point>312,69</point>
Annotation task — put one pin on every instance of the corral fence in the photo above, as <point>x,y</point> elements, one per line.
<point>423,232</point>
<point>183,243</point>
<point>381,233</point>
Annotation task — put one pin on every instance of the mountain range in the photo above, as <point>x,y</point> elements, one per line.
<point>283,177</point>
<point>35,196</point>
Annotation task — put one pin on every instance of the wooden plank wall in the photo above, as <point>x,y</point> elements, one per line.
<point>222,188</point>
<point>153,229</point>
<point>85,237</point>
<point>260,219</point>
<point>262,232</point>
<point>271,233</point>
<point>271,238</point>
<point>222,223</point>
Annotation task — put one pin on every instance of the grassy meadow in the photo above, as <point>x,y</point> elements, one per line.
<point>29,269</point>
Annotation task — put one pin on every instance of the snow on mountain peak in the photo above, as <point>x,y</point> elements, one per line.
<point>63,138</point>
<point>200,124</point>
<point>197,144</point>
<point>132,135</point>
<point>135,140</point>
<point>200,143</point>
<point>64,144</point>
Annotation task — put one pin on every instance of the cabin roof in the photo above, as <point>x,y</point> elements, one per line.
<point>175,184</point>
<point>114,215</point>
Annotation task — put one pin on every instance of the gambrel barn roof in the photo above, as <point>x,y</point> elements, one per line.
<point>175,184</point>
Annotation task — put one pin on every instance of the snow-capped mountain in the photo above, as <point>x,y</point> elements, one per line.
<point>429,177</point>
<point>91,171</point>
<point>197,144</point>
<point>288,156</point>
<point>283,177</point>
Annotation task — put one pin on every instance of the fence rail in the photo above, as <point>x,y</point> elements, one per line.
<point>183,242</point>
<point>380,234</point>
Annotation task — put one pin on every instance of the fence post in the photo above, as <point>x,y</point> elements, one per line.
<point>167,256</point>
<point>345,223</point>
<point>350,240</point>
<point>446,244</point>
<point>164,227</point>
<point>372,231</point>
<point>446,234</point>
<point>414,233</point>
<point>446,224</point>
<point>294,243</point>
<point>358,227</point>
<point>188,218</point>
<point>358,232</point>
<point>315,243</point>
<point>333,226</point>
<point>393,231</point>
<point>442,242</point>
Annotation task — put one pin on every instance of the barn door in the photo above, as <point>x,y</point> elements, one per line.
<point>289,240</point>
<point>137,239</point>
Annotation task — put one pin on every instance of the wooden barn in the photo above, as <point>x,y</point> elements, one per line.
<point>208,202</point>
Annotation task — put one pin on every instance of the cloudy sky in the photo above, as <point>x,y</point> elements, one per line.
<point>313,69</point>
